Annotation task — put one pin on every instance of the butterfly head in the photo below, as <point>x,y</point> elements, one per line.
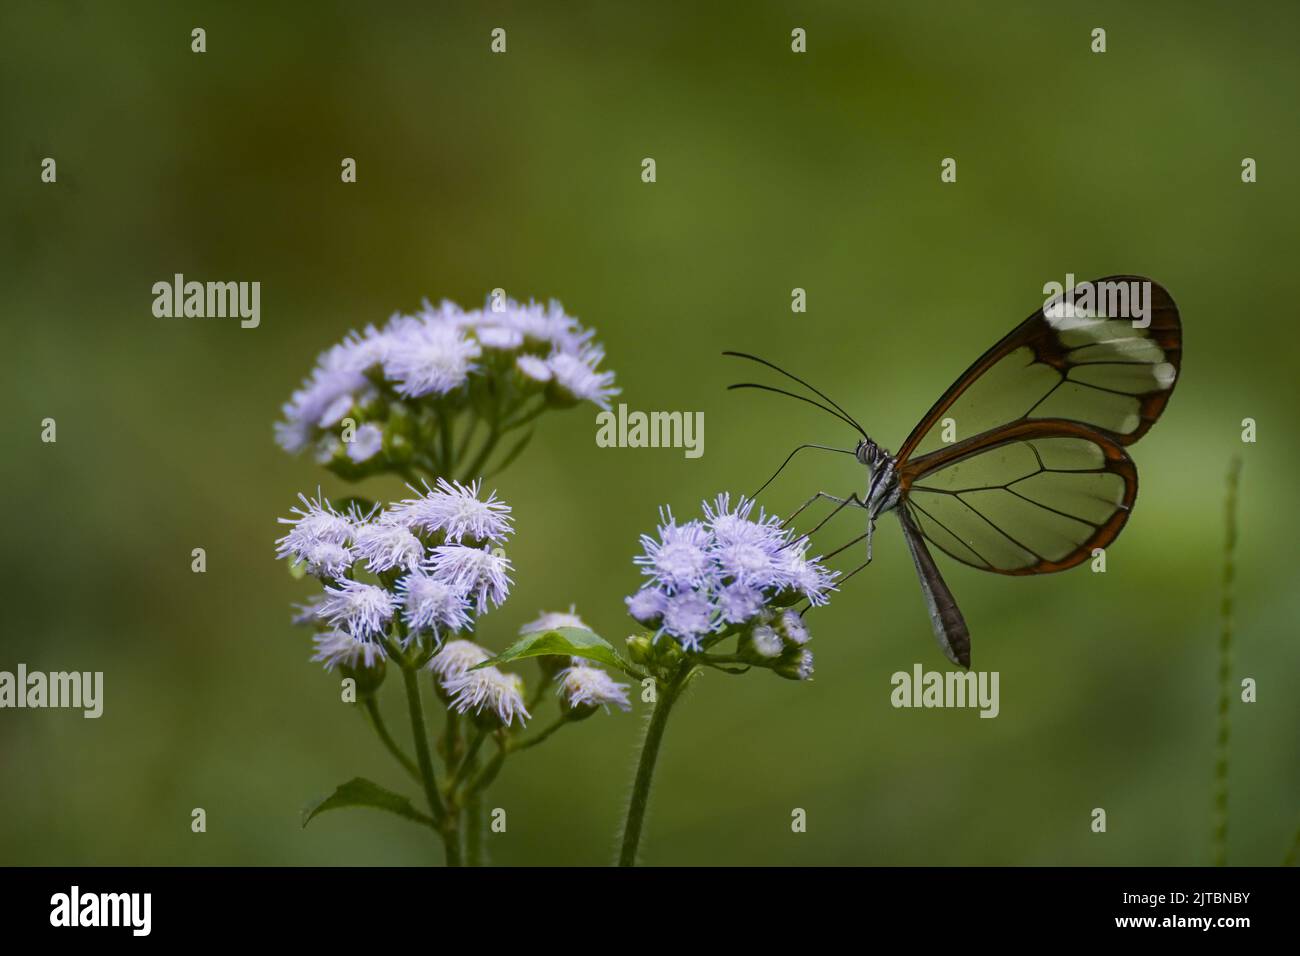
<point>882,489</point>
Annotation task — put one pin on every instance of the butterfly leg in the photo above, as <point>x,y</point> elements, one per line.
<point>840,505</point>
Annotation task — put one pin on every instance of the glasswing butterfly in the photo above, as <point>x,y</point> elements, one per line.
<point>1021,465</point>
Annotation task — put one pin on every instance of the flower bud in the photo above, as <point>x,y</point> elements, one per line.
<point>795,664</point>
<point>640,648</point>
<point>760,644</point>
<point>368,679</point>
<point>793,631</point>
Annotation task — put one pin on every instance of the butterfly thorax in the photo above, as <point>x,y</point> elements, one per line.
<point>882,486</point>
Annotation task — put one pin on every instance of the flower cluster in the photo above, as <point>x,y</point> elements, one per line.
<point>734,571</point>
<point>419,570</point>
<point>381,398</point>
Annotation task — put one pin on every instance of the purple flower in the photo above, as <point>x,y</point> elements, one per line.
<point>458,512</point>
<point>576,376</point>
<point>733,568</point>
<point>688,616</point>
<point>335,384</point>
<point>481,574</point>
<point>489,689</point>
<point>362,610</point>
<point>455,658</point>
<point>429,358</point>
<point>386,545</point>
<point>738,602</point>
<point>335,647</point>
<point>429,604</point>
<point>807,576</point>
<point>647,606</point>
<point>584,686</point>
<point>680,557</point>
<point>318,537</point>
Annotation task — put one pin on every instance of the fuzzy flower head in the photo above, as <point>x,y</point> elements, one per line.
<point>334,648</point>
<point>734,568</point>
<point>481,574</point>
<point>689,616</point>
<point>361,610</point>
<point>584,687</point>
<point>337,382</point>
<point>429,357</point>
<point>316,523</point>
<point>550,620</point>
<point>421,374</point>
<point>488,693</point>
<point>647,606</point>
<point>680,557</point>
<point>429,604</point>
<point>386,545</point>
<point>577,377</point>
<point>458,511</point>
<point>808,576</point>
<point>455,658</point>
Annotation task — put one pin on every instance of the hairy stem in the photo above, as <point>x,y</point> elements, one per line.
<point>446,825</point>
<point>1225,670</point>
<point>645,769</point>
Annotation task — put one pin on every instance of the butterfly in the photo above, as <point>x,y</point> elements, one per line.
<point>1021,466</point>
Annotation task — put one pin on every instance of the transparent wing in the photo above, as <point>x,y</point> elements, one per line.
<point>1107,355</point>
<point>1029,498</point>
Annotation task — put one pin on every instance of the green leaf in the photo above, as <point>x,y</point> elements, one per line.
<point>570,641</point>
<point>360,792</point>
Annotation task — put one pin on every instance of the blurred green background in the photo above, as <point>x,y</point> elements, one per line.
<point>775,170</point>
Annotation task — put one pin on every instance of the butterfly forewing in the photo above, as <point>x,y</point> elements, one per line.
<point>1074,359</point>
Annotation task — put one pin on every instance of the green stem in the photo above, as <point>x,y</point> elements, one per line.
<point>1225,671</point>
<point>645,769</point>
<point>446,827</point>
<point>538,738</point>
<point>526,417</point>
<point>445,430</point>
<point>451,739</point>
<point>488,773</point>
<point>474,831</point>
<point>467,762</point>
<point>377,721</point>
<point>489,445</point>
<point>470,429</point>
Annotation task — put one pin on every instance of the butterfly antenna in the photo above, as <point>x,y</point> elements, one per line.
<point>763,487</point>
<point>812,388</point>
<point>803,398</point>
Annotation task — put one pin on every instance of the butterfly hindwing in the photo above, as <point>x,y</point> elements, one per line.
<point>1028,498</point>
